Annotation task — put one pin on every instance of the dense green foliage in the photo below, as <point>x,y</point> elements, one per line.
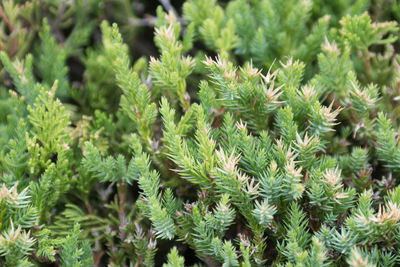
<point>246,133</point>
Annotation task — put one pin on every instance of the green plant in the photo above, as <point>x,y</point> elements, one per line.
<point>263,133</point>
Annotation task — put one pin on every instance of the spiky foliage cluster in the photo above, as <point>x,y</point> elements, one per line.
<point>252,133</point>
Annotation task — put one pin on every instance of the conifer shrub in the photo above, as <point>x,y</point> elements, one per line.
<point>246,133</point>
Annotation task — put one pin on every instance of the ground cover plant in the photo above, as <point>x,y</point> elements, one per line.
<point>199,133</point>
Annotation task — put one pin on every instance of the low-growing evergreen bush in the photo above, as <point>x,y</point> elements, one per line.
<point>247,133</point>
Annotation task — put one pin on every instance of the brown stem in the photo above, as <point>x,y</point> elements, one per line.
<point>97,258</point>
<point>88,207</point>
<point>367,62</point>
<point>122,189</point>
<point>4,16</point>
